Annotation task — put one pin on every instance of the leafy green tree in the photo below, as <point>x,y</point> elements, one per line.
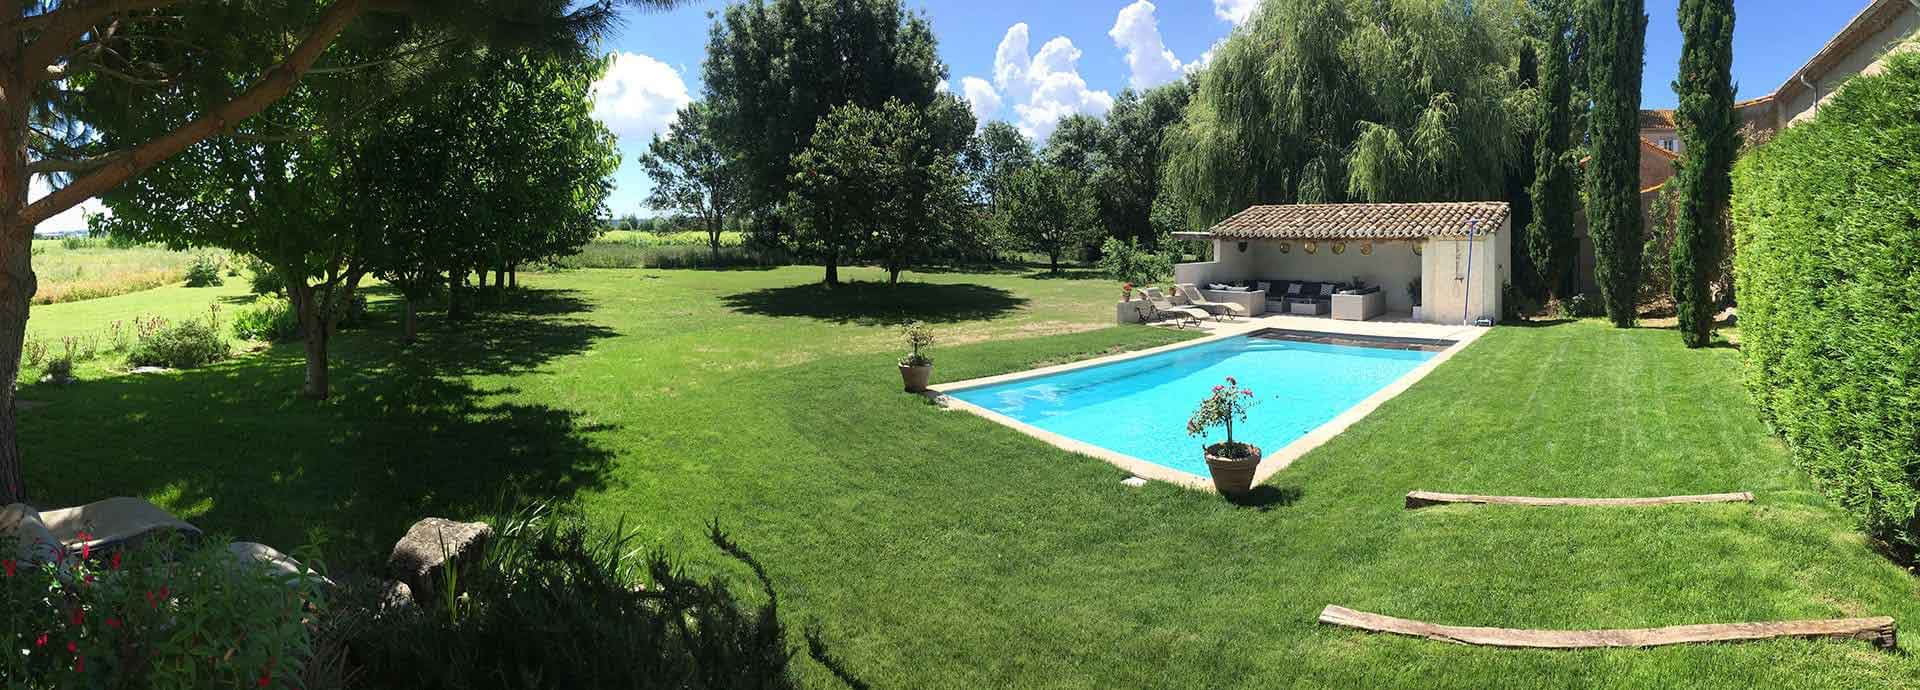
<point>276,198</point>
<point>505,167</point>
<point>1550,239</point>
<point>1617,33</point>
<point>691,173</point>
<point>1332,100</point>
<point>774,71</point>
<point>1049,210</point>
<point>1708,127</point>
<point>992,157</point>
<point>1075,146</point>
<point>883,183</point>
<point>924,204</point>
<point>835,186</point>
<point>1129,179</point>
<point>95,92</point>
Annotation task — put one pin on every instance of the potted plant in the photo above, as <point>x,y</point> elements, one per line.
<point>1413,291</point>
<point>1126,292</point>
<point>917,367</point>
<point>1230,462</point>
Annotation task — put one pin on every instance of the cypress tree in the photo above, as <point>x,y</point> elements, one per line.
<point>1706,124</point>
<point>1550,239</point>
<point>1520,168</point>
<point>1617,38</point>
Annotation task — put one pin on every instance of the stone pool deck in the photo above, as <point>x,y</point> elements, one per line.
<point>1391,326</point>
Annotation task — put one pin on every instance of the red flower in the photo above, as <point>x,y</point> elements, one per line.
<point>1232,382</point>
<point>264,681</point>
<point>40,641</point>
<point>113,623</point>
<point>1248,393</point>
<point>113,562</point>
<point>1217,389</point>
<point>78,617</point>
<point>9,566</point>
<point>73,648</point>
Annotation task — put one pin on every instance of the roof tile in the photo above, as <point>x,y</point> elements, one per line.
<point>1363,221</point>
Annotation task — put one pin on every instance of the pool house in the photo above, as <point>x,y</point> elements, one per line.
<point>1443,262</point>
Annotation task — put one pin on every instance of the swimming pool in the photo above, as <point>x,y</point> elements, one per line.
<point>1139,407</point>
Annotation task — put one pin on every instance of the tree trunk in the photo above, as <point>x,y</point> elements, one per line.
<point>513,275</point>
<point>17,282</point>
<point>714,229</point>
<point>893,274</point>
<point>314,331</point>
<point>17,285</point>
<point>454,278</point>
<point>410,323</point>
<point>833,267</point>
<point>1053,261</point>
<point>499,278</point>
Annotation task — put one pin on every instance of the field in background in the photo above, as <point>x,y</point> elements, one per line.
<point>639,249</point>
<point>83,269</point>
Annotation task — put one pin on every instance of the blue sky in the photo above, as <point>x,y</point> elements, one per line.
<point>1115,44</point>
<point>1031,61</point>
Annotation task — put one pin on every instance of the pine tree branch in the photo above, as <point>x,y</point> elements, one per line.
<point>269,88</point>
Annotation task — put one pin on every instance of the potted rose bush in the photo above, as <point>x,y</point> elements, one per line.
<point>917,367</point>
<point>1230,462</point>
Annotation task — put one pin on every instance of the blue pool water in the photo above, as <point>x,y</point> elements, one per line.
<point>1140,406</point>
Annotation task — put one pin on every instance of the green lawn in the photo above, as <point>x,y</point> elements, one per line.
<point>937,549</point>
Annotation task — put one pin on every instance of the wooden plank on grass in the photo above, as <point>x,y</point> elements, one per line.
<point>1878,630</point>
<point>1422,499</point>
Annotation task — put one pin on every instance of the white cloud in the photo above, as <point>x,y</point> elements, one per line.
<point>638,97</point>
<point>1043,87</point>
<point>980,97</point>
<point>1137,33</point>
<point>1205,58</point>
<point>1236,11</point>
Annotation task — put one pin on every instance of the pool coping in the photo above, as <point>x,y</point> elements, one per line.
<point>1273,461</point>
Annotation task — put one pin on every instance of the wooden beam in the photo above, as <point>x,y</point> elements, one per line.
<point>1880,631</point>
<point>1422,499</point>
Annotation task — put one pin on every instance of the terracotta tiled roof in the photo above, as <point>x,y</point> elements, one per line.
<point>1658,150</point>
<point>1362,221</point>
<point>1656,119</point>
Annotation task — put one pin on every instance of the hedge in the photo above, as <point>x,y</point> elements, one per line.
<point>1827,219</point>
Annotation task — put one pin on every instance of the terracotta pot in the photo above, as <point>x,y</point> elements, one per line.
<point>916,377</point>
<point>1232,477</point>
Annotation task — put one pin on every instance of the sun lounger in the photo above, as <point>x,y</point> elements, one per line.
<point>1165,308</point>
<point>1216,308</point>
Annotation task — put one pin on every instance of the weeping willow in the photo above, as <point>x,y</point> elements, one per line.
<point>1352,100</point>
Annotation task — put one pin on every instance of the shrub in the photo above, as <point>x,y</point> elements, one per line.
<point>60,369</point>
<point>270,318</point>
<point>552,604</point>
<point>1828,272</point>
<point>629,254</point>
<point>204,271</point>
<point>1127,262</point>
<point>262,279</point>
<point>162,615</point>
<point>184,345</point>
<point>918,337</point>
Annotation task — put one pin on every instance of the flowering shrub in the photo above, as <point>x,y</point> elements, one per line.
<point>1226,405</point>
<point>164,615</point>
<point>918,336</point>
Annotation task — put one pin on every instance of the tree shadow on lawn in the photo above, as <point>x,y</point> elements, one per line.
<point>1266,497</point>
<point>877,303</point>
<point>232,448</point>
<point>1066,274</point>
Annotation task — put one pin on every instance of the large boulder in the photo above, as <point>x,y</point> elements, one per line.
<point>421,557</point>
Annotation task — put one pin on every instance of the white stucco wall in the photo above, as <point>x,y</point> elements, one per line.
<point>1462,278</point>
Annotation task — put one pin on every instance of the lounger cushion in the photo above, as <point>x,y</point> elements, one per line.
<point>33,542</point>
<point>113,522</point>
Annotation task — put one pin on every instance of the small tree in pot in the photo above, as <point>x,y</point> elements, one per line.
<point>916,368</point>
<point>1230,462</point>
